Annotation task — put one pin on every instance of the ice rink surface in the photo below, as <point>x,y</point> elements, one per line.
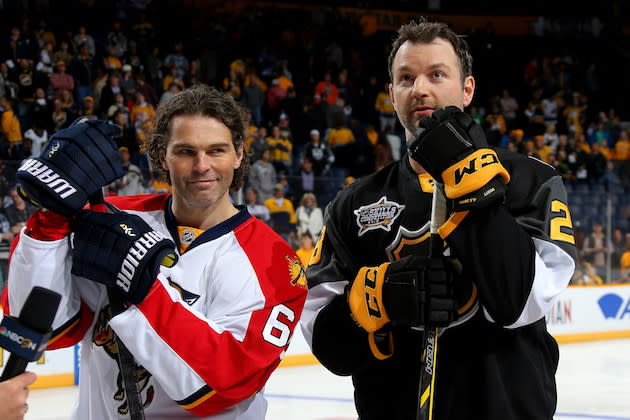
<point>593,384</point>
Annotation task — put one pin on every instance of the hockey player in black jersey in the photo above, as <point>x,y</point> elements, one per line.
<point>509,251</point>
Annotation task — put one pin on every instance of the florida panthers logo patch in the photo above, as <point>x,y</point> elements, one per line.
<point>379,215</point>
<point>297,272</point>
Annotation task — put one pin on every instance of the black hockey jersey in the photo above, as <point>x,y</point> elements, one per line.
<point>499,362</point>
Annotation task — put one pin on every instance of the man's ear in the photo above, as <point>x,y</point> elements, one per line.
<point>163,160</point>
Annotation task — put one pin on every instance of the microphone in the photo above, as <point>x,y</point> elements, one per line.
<point>26,337</point>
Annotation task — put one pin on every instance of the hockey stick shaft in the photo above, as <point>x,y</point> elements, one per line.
<point>431,334</point>
<point>126,362</point>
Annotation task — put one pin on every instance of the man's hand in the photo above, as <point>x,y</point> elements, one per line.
<point>397,293</point>
<point>120,250</point>
<point>75,164</point>
<point>13,394</point>
<point>453,149</point>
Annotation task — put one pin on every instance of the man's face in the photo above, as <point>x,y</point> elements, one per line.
<point>427,76</point>
<point>201,160</point>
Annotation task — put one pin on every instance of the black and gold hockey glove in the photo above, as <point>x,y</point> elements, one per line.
<point>395,292</point>
<point>453,149</point>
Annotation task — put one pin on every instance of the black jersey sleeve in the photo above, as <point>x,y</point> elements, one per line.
<point>521,254</point>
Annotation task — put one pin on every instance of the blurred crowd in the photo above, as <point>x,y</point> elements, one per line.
<point>316,93</point>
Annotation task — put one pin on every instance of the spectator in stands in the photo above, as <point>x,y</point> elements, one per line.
<point>589,276</point>
<point>35,138</point>
<point>132,182</point>
<point>534,113</point>
<point>11,146</point>
<point>274,97</point>
<point>142,111</point>
<point>64,53</point>
<point>262,176</point>
<point>88,109</point>
<point>509,107</point>
<point>110,90</point>
<point>595,163</point>
<point>551,136</point>
<point>26,80</point>
<point>18,211</point>
<point>254,207</point>
<point>385,109</point>
<point>59,116</point>
<point>309,216</point>
<point>495,125</point>
<point>284,125</point>
<point>624,261</point>
<point>595,249</point>
<point>306,177</point>
<point>281,151</point>
<point>118,105</point>
<point>341,140</point>
<point>172,89</point>
<point>618,243</point>
<point>282,213</point>
<point>111,62</point>
<point>258,144</point>
<point>575,115</point>
<point>622,146</point>
<point>176,59</point>
<point>254,98</point>
<point>325,90</point>
<point>307,245</point>
<point>6,235</point>
<point>320,154</point>
<point>541,148</point>
<point>598,132</point>
<point>153,69</point>
<point>383,155</point>
<point>83,38</point>
<point>128,82</point>
<point>40,110</point>
<point>83,70</point>
<point>117,40</point>
<point>232,83</point>
<point>59,79</point>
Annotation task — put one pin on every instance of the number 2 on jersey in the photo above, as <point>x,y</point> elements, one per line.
<point>560,221</point>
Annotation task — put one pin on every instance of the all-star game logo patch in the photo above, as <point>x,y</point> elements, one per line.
<point>379,215</point>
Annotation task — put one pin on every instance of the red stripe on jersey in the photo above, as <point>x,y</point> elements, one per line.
<point>236,370</point>
<point>143,202</point>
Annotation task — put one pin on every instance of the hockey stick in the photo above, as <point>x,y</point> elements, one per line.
<point>126,362</point>
<point>431,334</point>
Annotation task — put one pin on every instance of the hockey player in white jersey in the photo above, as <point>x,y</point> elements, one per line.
<point>212,295</point>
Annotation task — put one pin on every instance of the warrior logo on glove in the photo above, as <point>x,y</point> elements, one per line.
<point>76,163</point>
<point>120,250</point>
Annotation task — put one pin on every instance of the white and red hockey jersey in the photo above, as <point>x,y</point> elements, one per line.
<point>206,338</point>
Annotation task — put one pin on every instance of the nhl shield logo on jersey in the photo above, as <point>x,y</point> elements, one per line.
<point>379,215</point>
<point>297,272</point>
<point>187,236</point>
